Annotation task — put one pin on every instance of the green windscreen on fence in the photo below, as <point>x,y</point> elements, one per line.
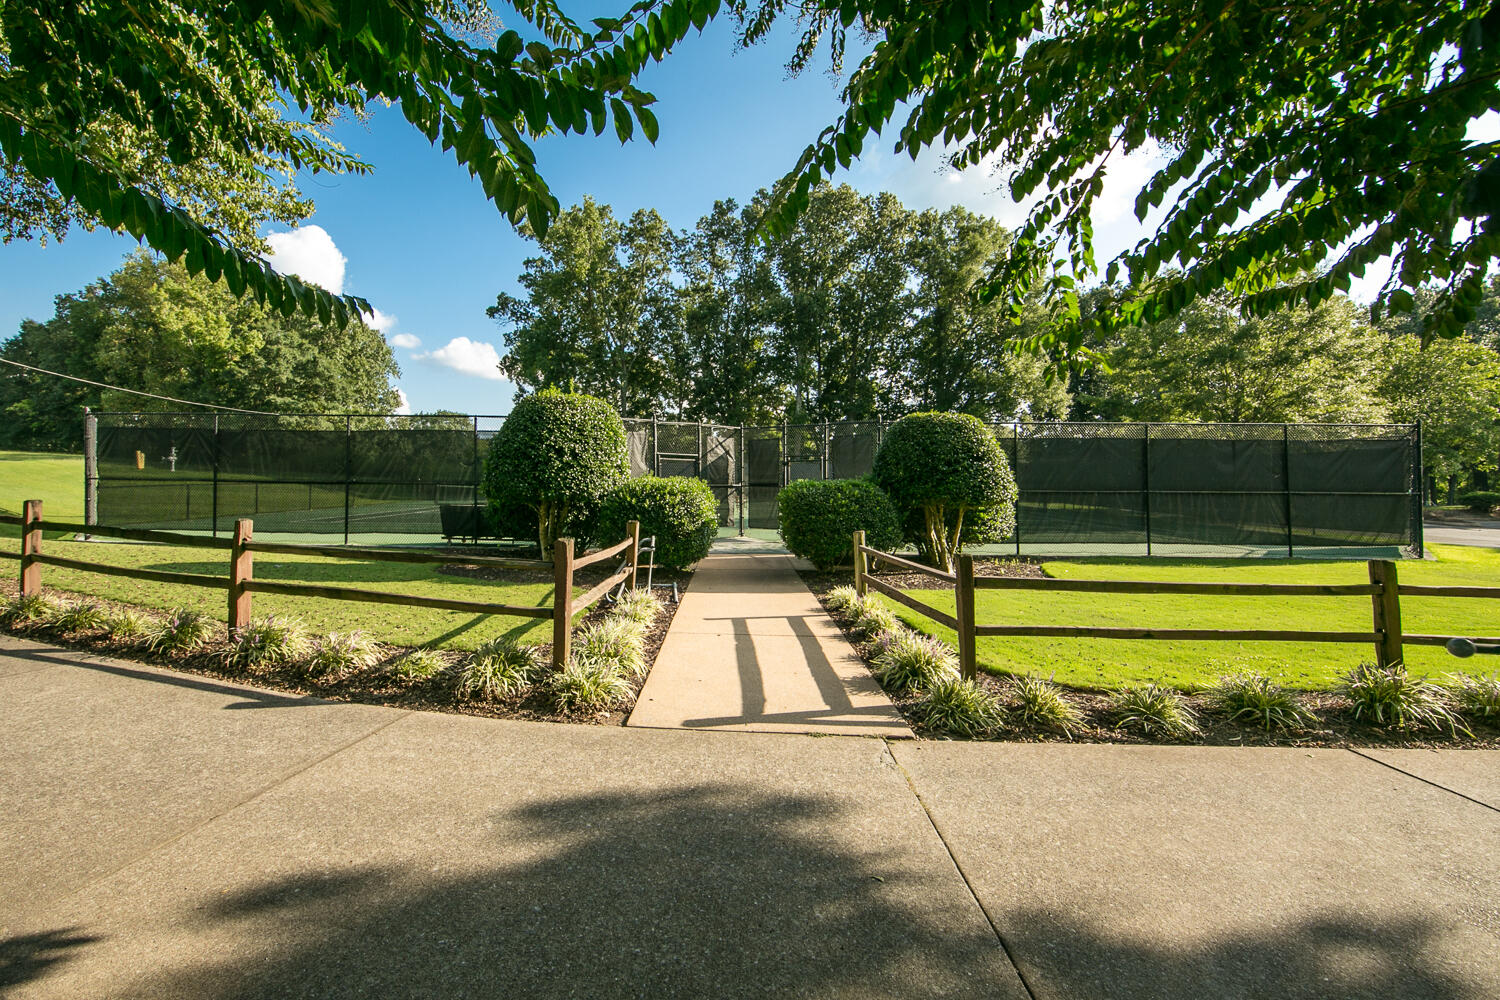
<point>1085,488</point>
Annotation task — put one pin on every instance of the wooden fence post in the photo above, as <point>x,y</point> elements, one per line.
<point>241,571</point>
<point>562,602</point>
<point>963,600</point>
<point>859,563</point>
<point>31,547</point>
<point>1387,613</point>
<point>633,529</point>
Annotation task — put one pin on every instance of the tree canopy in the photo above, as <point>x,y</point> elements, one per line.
<point>199,87</point>
<point>1304,141</point>
<point>152,325</point>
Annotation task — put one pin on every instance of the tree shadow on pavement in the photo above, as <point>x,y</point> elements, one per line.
<point>703,892</point>
<point>1331,957</point>
<point>27,956</point>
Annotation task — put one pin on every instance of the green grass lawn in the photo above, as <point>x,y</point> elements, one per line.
<point>1112,663</point>
<point>57,480</point>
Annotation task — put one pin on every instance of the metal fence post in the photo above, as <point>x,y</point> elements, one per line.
<point>1016,438</point>
<point>1286,486</point>
<point>1418,482</point>
<point>1146,484</point>
<point>31,547</point>
<point>562,602</point>
<point>1387,613</point>
<point>963,599</point>
<point>859,563</point>
<point>90,468</point>
<point>348,470</point>
<point>241,571</point>
<point>213,515</point>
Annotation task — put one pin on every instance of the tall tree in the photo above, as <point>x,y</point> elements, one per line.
<point>1453,387</point>
<point>1212,363</point>
<point>151,326</point>
<point>601,310</point>
<point>843,280</point>
<point>729,297</point>
<point>957,354</point>
<point>1293,132</point>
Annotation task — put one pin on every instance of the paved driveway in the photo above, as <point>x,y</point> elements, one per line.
<point>165,835</point>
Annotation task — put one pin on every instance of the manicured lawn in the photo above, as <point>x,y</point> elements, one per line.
<point>1111,663</point>
<point>57,480</point>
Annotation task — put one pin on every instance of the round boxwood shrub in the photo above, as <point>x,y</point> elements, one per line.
<point>942,471</point>
<point>557,455</point>
<point>681,512</point>
<point>819,518</point>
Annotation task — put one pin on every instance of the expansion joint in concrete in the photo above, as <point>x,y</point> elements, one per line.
<point>1010,954</point>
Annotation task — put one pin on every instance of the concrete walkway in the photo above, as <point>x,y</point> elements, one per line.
<point>751,649</point>
<point>169,836</point>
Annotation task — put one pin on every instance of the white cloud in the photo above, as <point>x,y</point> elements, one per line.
<point>470,357</point>
<point>310,254</point>
<point>379,321</point>
<point>404,406</point>
<point>406,340</point>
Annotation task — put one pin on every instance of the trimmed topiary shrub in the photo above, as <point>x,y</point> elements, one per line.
<point>680,511</point>
<point>819,518</point>
<point>557,455</point>
<point>1481,501</point>
<point>947,477</point>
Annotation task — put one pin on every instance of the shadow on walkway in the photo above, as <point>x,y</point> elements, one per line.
<point>702,892</point>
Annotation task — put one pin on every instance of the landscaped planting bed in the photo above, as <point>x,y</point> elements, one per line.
<point>502,677</point>
<point>1230,703</point>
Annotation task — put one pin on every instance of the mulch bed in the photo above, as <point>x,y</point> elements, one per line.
<point>1333,726</point>
<point>378,685</point>
<point>903,579</point>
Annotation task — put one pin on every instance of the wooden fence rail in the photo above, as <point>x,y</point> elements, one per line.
<point>240,583</point>
<point>1383,590</point>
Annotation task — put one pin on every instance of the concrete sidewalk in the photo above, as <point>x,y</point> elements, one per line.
<point>165,835</point>
<point>751,649</point>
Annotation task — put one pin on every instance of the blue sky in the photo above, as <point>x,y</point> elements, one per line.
<point>418,239</point>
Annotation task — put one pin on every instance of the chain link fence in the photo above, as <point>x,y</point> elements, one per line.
<point>1085,488</point>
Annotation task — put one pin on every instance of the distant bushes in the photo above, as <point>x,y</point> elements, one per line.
<point>1481,501</point>
<point>819,517</point>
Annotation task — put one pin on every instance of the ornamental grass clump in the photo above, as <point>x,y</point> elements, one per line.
<point>1154,711</point>
<point>1390,697</point>
<point>874,619</point>
<point>1479,697</point>
<point>907,661</point>
<point>641,606</point>
<point>844,598</point>
<point>182,631</point>
<point>339,654</point>
<point>1039,702</point>
<point>617,641</point>
<point>418,665</point>
<point>81,616</point>
<point>128,626</point>
<point>1256,699</point>
<point>33,611</point>
<point>500,668</point>
<point>587,683</point>
<point>269,642</point>
<point>959,707</point>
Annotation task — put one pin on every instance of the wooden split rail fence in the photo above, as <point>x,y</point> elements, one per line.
<point>1383,589</point>
<point>241,585</point>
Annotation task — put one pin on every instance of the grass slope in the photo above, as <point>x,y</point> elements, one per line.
<point>1105,664</point>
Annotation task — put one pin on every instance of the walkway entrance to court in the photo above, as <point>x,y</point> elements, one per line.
<point>751,649</point>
